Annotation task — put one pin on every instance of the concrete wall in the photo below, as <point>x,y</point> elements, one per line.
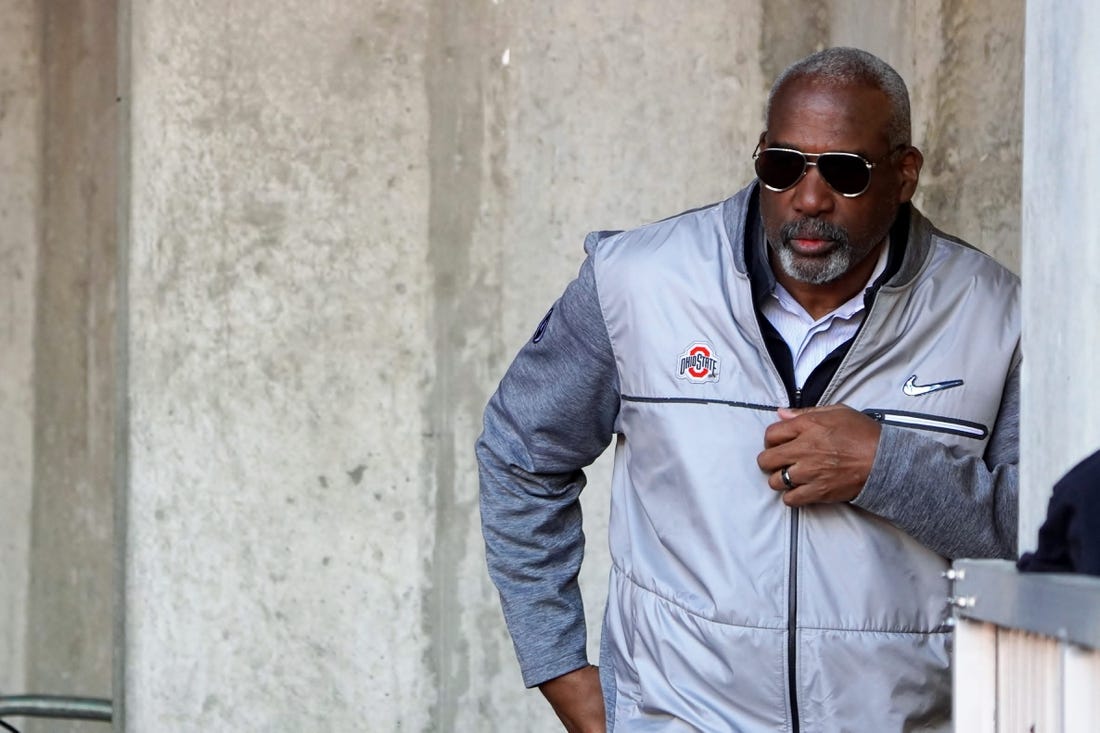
<point>340,220</point>
<point>964,64</point>
<point>20,163</point>
<point>345,219</point>
<point>281,513</point>
<point>1061,263</point>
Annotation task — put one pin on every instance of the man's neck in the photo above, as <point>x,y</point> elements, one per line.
<point>820,300</point>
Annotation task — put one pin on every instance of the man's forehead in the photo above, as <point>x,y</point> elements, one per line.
<point>842,92</point>
<point>814,103</point>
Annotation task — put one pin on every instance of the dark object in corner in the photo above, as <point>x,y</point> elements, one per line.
<point>1069,540</point>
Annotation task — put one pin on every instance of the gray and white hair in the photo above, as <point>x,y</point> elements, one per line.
<point>844,66</point>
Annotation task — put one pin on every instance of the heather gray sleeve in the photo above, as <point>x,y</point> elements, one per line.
<point>553,414</point>
<point>958,506</point>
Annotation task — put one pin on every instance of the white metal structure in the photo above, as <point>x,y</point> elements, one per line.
<point>1027,650</point>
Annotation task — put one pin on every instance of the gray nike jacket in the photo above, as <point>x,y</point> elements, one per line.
<point>727,610</point>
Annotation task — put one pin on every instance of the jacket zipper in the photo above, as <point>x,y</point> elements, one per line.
<point>792,603</point>
<point>792,587</point>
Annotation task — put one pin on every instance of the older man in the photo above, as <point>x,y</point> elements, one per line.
<point>815,398</point>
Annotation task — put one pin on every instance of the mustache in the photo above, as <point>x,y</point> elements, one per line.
<point>812,229</point>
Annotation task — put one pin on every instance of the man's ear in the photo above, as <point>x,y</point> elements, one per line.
<point>909,170</point>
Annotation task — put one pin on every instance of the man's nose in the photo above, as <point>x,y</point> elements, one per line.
<point>812,196</point>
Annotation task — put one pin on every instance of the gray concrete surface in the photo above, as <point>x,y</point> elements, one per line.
<point>71,599</point>
<point>57,366</point>
<point>1061,263</point>
<point>963,62</point>
<point>340,220</point>
<point>20,163</point>
<point>281,513</point>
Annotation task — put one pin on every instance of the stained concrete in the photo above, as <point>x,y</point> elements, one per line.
<point>1061,254</point>
<point>963,62</point>
<point>57,367</point>
<point>20,163</point>
<point>281,512</point>
<point>71,604</point>
<point>454,74</point>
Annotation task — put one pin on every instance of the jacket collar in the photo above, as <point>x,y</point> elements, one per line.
<point>910,241</point>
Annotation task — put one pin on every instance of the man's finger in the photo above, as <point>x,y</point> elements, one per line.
<point>800,496</point>
<point>780,432</point>
<point>773,459</point>
<point>805,491</point>
<point>775,480</point>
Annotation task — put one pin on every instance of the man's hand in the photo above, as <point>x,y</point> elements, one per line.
<point>578,700</point>
<point>826,451</point>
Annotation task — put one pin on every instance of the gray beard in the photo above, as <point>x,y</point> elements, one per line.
<point>814,270</point>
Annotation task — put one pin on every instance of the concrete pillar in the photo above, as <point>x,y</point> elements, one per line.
<point>57,367</point>
<point>1061,252</point>
<point>963,62</point>
<point>71,604</point>
<point>20,163</point>
<point>281,523</point>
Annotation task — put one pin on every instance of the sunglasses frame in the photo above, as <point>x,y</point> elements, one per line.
<point>809,159</point>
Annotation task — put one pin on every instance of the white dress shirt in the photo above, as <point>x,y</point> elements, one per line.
<point>811,341</point>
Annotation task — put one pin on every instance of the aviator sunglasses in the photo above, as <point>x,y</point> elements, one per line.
<point>846,173</point>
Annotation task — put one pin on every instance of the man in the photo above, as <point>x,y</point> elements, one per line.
<point>815,394</point>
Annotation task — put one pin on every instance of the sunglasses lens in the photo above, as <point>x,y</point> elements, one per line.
<point>847,174</point>
<point>779,169</point>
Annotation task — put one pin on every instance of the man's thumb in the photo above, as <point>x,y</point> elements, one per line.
<point>786,413</point>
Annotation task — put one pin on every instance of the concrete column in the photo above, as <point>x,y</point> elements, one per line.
<point>963,62</point>
<point>20,163</point>
<point>1061,252</point>
<point>71,603</point>
<point>281,512</point>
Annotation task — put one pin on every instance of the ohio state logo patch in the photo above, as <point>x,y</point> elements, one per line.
<point>698,363</point>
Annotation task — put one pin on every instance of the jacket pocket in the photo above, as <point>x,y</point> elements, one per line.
<point>924,421</point>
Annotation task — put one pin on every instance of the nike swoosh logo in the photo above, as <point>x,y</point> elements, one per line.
<point>913,389</point>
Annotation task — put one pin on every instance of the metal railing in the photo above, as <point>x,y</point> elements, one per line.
<point>57,707</point>
<point>1027,649</point>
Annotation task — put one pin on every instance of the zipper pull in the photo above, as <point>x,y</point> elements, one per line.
<point>797,398</point>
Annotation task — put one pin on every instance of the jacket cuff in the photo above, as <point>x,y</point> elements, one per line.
<point>892,458</point>
<point>534,676</point>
